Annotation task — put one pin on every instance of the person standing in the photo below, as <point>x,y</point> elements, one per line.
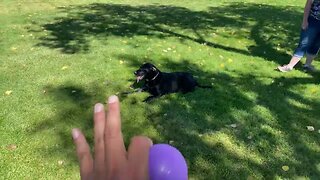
<point>309,43</point>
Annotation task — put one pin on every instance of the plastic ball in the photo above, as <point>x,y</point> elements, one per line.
<point>166,163</point>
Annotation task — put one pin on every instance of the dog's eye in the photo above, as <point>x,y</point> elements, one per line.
<point>154,69</point>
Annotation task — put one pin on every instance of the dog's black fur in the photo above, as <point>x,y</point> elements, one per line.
<point>158,83</point>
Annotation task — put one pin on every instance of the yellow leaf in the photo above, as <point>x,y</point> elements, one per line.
<point>285,168</point>
<point>8,92</point>
<point>13,48</point>
<point>121,62</point>
<point>222,65</point>
<point>230,60</point>
<point>64,67</point>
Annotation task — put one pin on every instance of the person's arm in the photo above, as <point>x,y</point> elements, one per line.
<point>306,14</point>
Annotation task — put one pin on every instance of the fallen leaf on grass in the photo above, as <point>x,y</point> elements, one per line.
<point>233,125</point>
<point>8,92</point>
<point>121,62</point>
<point>285,168</point>
<point>313,91</point>
<point>222,65</point>
<point>310,128</point>
<point>12,147</point>
<point>60,162</point>
<point>230,60</point>
<point>64,67</point>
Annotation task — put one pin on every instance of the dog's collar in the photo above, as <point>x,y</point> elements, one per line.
<point>155,76</point>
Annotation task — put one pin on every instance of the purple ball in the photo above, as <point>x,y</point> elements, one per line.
<point>166,163</point>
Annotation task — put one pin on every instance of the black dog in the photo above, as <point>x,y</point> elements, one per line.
<point>158,83</point>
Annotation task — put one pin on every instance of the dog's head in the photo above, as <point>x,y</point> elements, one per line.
<point>147,71</point>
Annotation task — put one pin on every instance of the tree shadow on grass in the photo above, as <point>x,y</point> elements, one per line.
<point>73,109</point>
<point>269,27</point>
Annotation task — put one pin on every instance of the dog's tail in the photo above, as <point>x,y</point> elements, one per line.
<point>201,86</point>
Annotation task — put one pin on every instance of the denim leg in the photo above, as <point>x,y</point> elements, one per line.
<point>315,46</point>
<point>307,38</point>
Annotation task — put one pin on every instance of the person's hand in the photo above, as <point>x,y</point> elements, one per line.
<point>304,25</point>
<point>111,160</point>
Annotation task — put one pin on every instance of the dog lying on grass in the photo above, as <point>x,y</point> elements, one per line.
<point>159,83</point>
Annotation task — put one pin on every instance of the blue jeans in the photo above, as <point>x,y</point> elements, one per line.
<point>309,39</point>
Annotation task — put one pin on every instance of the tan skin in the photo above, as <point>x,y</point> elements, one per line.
<point>111,159</point>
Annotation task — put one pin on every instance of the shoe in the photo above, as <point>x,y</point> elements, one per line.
<point>309,68</point>
<point>284,68</point>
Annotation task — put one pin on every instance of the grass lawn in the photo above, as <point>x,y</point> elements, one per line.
<point>58,58</point>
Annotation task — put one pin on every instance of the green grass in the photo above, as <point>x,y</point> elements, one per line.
<point>61,57</point>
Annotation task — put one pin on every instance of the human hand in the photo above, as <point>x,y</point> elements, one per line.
<point>304,25</point>
<point>111,160</point>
